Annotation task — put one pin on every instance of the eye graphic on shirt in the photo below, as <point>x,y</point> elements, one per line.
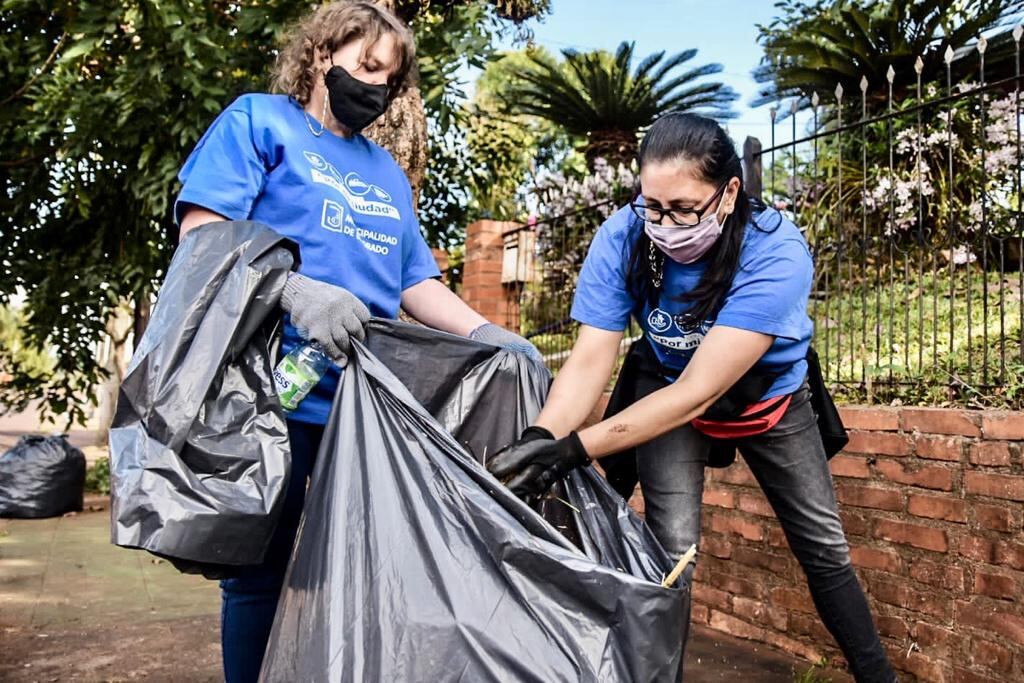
<point>659,321</point>
<point>360,187</point>
<point>688,325</point>
<point>316,161</point>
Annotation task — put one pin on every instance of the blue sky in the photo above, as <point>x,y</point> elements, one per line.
<point>723,31</point>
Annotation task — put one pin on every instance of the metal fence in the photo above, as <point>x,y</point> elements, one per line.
<point>914,219</point>
<point>913,215</point>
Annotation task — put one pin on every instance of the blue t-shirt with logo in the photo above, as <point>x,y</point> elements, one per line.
<point>769,295</point>
<point>345,202</point>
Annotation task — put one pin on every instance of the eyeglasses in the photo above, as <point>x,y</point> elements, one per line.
<point>680,217</point>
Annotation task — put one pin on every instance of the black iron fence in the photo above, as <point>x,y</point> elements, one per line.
<point>913,213</point>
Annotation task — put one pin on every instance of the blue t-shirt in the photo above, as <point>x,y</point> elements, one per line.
<point>768,295</point>
<point>345,202</point>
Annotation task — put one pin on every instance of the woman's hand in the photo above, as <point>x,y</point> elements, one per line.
<point>325,313</point>
<point>535,462</point>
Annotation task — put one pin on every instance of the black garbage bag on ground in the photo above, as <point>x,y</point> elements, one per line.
<point>199,446</point>
<point>41,476</point>
<point>415,564</point>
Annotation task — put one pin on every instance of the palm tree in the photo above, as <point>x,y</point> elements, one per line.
<point>815,47</point>
<point>596,96</point>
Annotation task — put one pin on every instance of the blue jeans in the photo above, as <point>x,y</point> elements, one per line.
<point>789,463</point>
<point>250,600</point>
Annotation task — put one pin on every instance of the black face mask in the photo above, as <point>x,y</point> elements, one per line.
<point>355,104</point>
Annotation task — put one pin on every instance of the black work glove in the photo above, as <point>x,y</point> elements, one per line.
<point>537,461</point>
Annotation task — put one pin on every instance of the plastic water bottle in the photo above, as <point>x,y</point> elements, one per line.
<point>298,372</point>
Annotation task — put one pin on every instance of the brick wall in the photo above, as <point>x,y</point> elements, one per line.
<point>481,275</point>
<point>931,503</point>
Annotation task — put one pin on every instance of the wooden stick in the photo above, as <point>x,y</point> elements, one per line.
<point>684,559</point>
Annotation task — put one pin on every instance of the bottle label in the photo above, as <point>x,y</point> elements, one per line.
<point>293,381</point>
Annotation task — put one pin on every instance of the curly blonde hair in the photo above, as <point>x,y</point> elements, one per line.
<point>330,27</point>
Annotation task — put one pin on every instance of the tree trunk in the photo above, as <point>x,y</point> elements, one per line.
<point>614,146</point>
<point>114,358</point>
<point>402,130</point>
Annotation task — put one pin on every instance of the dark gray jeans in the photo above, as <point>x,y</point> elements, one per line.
<point>790,465</point>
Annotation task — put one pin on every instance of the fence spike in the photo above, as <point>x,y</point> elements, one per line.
<point>890,75</point>
<point>982,44</point>
<point>919,65</point>
<point>949,54</point>
<point>794,105</point>
<point>773,111</point>
<point>863,83</point>
<point>814,99</point>
<point>839,92</point>
<point>1018,31</point>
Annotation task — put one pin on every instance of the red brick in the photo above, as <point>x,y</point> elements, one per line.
<point>716,547</point>
<point>850,466</point>
<point>977,549</point>
<point>723,524</point>
<point>756,504</point>
<point>936,507</point>
<point>938,574</point>
<point>929,477</point>
<point>998,517</point>
<point>984,653</point>
<point>1003,425</point>
<point>712,597</point>
<point>699,614</point>
<point>736,586</point>
<point>735,627</point>
<point>873,558</point>
<point>738,474</point>
<point>912,534</point>
<point>870,419</point>
<point>719,498</point>
<point>1010,554</point>
<point>750,557</point>
<point>791,598</point>
<point>878,443</point>
<point>961,675</point>
<point>758,612</point>
<point>1008,486</point>
<point>808,625</point>
<point>853,524</point>
<point>939,447</point>
<point>934,637</point>
<point>892,627</point>
<point>1010,625</point>
<point>926,668</point>
<point>777,537</point>
<point>869,497</point>
<point>901,595</point>
<point>995,585</point>
<point>991,453</point>
<point>938,421</point>
<point>800,649</point>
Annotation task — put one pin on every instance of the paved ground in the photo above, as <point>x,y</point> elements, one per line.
<point>75,608</point>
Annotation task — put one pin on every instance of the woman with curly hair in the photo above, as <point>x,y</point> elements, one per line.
<point>297,162</point>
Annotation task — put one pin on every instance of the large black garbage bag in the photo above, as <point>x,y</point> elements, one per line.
<point>41,476</point>
<point>414,564</point>
<point>199,446</point>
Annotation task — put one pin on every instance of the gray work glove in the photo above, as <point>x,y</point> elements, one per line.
<point>325,313</point>
<point>492,334</point>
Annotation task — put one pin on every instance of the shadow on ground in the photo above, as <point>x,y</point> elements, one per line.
<point>75,608</point>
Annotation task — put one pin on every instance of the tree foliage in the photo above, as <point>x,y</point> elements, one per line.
<point>598,96</point>
<point>813,47</point>
<point>102,102</point>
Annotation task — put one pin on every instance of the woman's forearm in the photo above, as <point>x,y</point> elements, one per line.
<point>434,305</point>
<point>580,382</point>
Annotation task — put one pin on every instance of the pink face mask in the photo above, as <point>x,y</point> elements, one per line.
<point>686,244</point>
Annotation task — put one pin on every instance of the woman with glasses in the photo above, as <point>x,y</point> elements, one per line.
<point>719,284</point>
